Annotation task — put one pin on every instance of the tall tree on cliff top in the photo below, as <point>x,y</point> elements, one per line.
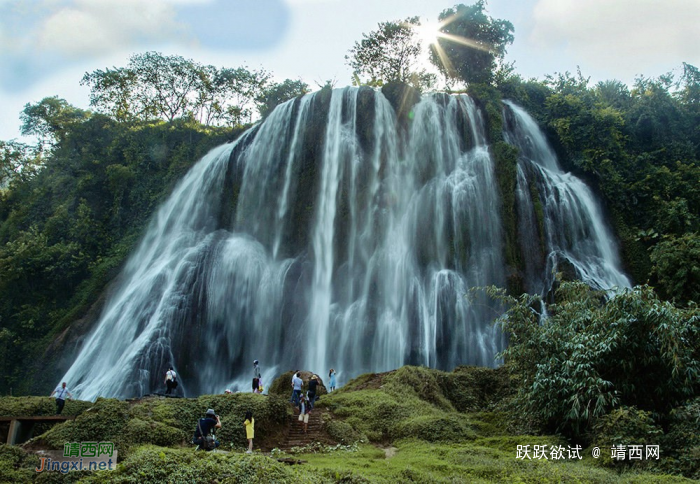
<point>470,43</point>
<point>391,53</point>
<point>50,119</point>
<point>155,86</point>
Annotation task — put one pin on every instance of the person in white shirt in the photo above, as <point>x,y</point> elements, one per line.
<point>170,380</point>
<point>61,393</point>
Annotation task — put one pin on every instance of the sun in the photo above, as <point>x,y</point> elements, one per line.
<point>428,33</point>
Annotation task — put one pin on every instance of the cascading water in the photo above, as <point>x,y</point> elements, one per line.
<point>330,235</point>
<point>559,219</point>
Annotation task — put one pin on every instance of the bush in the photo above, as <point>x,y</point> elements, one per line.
<point>435,428</point>
<point>17,465</point>
<point>681,443</point>
<point>155,465</point>
<point>342,432</point>
<point>594,352</point>
<point>624,426</point>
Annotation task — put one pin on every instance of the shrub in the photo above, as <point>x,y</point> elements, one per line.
<point>624,426</point>
<point>435,428</point>
<point>17,465</point>
<point>342,432</point>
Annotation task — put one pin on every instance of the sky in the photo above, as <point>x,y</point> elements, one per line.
<point>46,46</point>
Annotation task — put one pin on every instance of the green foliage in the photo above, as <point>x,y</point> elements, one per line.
<point>16,465</point>
<point>276,94</point>
<point>50,119</point>
<point>342,432</point>
<point>35,406</point>
<point>472,43</point>
<point>624,426</point>
<point>408,402</point>
<point>65,231</point>
<point>475,388</point>
<point>390,53</point>
<point>156,86</point>
<point>438,428</point>
<point>681,442</point>
<point>170,422</point>
<point>676,267</point>
<point>155,465</point>
<point>19,163</point>
<point>592,354</point>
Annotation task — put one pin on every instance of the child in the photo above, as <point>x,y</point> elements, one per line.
<point>304,411</point>
<point>249,430</point>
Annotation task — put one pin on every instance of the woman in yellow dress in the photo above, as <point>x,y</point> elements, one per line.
<point>249,430</point>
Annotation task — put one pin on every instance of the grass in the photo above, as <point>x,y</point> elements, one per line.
<point>410,425</point>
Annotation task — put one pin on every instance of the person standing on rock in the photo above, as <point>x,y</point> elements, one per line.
<point>297,383</point>
<point>170,380</point>
<point>61,393</point>
<point>249,423</point>
<point>331,380</point>
<point>313,388</point>
<point>257,383</point>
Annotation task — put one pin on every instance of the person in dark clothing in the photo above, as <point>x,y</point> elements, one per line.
<point>257,379</point>
<point>205,426</point>
<point>313,384</point>
<point>170,380</point>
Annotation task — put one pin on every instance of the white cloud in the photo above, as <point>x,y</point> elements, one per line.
<point>89,27</point>
<point>623,36</point>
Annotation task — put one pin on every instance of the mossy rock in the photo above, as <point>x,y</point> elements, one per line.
<point>435,428</point>
<point>36,406</point>
<point>103,422</point>
<point>138,431</point>
<point>474,388</point>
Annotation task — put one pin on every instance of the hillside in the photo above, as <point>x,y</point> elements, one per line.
<point>409,425</point>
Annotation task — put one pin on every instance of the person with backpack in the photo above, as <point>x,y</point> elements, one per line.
<point>170,380</point>
<point>313,389</point>
<point>304,411</point>
<point>203,435</point>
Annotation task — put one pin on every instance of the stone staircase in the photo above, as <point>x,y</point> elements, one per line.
<point>296,436</point>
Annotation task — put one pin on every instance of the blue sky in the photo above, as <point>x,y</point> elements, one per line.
<point>47,45</point>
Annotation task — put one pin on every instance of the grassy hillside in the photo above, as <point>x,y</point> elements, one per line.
<point>410,425</point>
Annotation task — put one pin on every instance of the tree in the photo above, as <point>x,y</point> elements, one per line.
<point>50,119</point>
<point>391,53</point>
<point>593,353</point>
<point>278,93</point>
<point>154,86</point>
<point>676,267</point>
<point>470,43</point>
<point>19,162</point>
<point>112,91</point>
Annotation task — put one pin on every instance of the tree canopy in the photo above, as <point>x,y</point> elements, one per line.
<point>390,53</point>
<point>155,86</point>
<point>470,44</point>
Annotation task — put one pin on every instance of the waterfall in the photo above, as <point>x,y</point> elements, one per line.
<point>332,234</point>
<point>559,220</point>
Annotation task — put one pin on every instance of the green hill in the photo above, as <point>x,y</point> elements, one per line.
<point>410,425</point>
